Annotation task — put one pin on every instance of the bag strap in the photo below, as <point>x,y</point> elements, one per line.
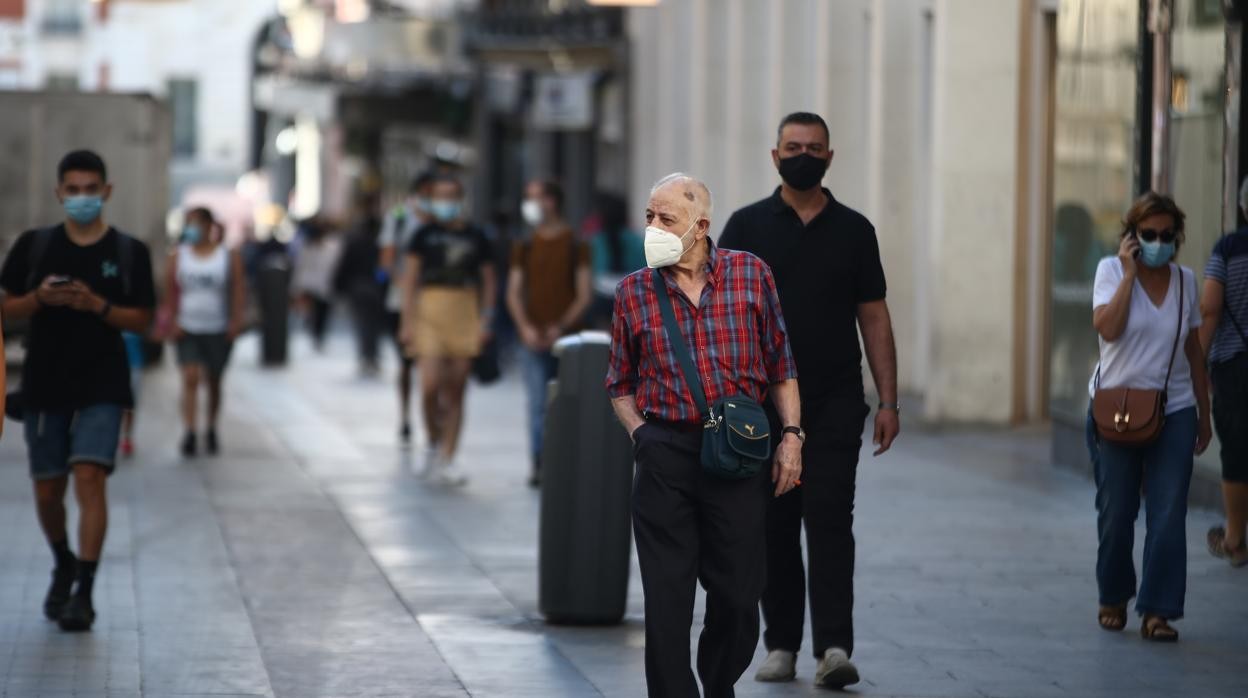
<point>1177,333</point>
<point>679,348</point>
<point>38,247</point>
<point>1226,310</point>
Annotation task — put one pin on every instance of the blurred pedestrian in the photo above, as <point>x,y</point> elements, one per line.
<point>1144,308</point>
<point>313,277</point>
<point>397,231</point>
<point>135,358</point>
<point>548,292</point>
<point>1224,335</point>
<point>616,250</point>
<point>357,280</point>
<point>826,262</point>
<point>81,283</point>
<point>206,292</point>
<point>448,288</point>
<point>696,517</point>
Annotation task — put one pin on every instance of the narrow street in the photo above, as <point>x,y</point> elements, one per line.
<point>309,561</point>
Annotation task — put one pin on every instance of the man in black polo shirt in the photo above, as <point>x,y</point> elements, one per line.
<point>826,263</point>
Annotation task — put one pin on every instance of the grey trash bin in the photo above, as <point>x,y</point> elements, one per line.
<point>587,475</point>
<point>274,299</point>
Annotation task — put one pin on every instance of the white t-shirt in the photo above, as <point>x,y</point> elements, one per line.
<point>1138,358</point>
<point>397,231</point>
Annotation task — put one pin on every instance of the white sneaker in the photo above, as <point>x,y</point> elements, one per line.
<point>835,670</point>
<point>780,666</point>
<point>450,475</point>
<point>430,463</point>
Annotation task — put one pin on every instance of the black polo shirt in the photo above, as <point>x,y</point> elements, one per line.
<point>823,271</point>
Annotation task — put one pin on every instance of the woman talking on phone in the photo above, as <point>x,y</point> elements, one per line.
<point>1149,415</point>
<point>205,299</point>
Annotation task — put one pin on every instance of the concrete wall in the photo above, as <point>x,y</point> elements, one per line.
<point>922,99</point>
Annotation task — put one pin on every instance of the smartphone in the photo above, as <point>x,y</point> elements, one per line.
<point>61,281</point>
<point>1136,253</point>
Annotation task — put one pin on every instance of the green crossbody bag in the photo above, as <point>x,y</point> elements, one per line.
<point>736,436</point>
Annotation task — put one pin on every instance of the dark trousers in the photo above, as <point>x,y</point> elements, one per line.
<point>318,322</point>
<point>825,501</point>
<point>691,527</point>
<point>367,313</point>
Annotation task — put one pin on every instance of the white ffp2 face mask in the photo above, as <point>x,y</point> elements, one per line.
<point>663,249</point>
<point>531,211</point>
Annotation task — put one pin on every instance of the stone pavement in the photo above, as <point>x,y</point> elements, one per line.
<point>309,561</point>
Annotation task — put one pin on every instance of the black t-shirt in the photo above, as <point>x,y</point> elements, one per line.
<point>450,257</point>
<point>823,271</point>
<point>73,358</point>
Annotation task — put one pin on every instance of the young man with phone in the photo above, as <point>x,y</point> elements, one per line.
<point>80,284</point>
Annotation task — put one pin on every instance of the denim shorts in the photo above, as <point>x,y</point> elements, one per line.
<point>58,439</point>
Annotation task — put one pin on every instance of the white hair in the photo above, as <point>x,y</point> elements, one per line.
<point>693,187</point>
<point>1243,195</point>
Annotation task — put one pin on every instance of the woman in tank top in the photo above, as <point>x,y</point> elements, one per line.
<point>204,293</point>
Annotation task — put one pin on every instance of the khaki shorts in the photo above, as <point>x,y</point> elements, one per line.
<point>446,324</point>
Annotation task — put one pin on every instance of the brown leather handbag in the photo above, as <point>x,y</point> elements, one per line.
<point>1135,416</point>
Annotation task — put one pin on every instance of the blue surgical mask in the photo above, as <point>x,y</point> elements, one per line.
<point>83,209</point>
<point>1156,253</point>
<point>192,234</point>
<point>445,211</point>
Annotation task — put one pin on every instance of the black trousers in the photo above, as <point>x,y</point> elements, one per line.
<point>825,501</point>
<point>691,527</point>
<point>318,322</point>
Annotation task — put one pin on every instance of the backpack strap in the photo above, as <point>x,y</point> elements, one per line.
<point>39,242</point>
<point>125,261</point>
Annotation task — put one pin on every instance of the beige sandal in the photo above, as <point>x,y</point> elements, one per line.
<point>1113,618</point>
<point>1157,629</point>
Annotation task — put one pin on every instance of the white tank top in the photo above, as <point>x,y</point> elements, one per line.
<point>203,287</point>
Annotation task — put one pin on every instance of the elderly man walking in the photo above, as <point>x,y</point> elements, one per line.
<point>698,343</point>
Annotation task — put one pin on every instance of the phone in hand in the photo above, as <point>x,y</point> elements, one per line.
<point>60,281</point>
<point>1136,253</point>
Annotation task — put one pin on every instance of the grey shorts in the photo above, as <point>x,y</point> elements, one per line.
<point>58,439</point>
<point>211,351</point>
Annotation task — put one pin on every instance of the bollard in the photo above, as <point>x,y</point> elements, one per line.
<point>587,472</point>
<point>274,298</point>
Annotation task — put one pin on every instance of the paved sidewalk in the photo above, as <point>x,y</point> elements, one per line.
<point>308,561</point>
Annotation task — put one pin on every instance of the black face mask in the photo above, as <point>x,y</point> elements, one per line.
<point>803,171</point>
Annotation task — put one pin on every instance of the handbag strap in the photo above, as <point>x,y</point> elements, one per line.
<point>1177,333</point>
<point>679,348</point>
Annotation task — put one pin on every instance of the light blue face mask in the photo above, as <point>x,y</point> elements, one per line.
<point>445,211</point>
<point>83,209</point>
<point>1156,253</point>
<point>192,234</point>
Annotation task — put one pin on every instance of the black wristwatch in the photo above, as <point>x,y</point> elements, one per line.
<point>796,431</point>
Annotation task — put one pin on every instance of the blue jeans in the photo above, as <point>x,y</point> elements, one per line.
<point>539,368</point>
<point>1164,468</point>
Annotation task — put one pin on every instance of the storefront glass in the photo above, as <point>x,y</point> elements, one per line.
<point>1094,159</point>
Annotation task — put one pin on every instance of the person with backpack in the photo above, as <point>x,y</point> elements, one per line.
<point>548,292</point>
<point>80,283</point>
<point>205,294</point>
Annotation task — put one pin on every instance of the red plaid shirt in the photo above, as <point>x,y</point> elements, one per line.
<point>735,333</point>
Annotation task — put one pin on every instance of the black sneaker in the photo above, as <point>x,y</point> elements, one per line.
<point>190,445</point>
<point>58,592</point>
<point>210,442</point>
<point>78,615</point>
